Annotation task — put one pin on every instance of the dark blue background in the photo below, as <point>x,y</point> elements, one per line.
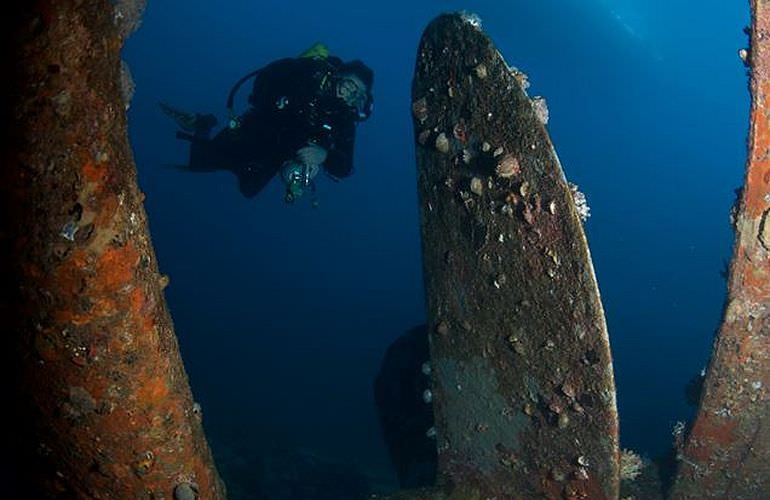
<point>284,312</point>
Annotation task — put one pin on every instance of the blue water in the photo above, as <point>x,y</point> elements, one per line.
<point>284,312</point>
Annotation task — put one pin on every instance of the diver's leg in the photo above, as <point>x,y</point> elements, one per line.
<point>253,178</point>
<point>198,124</point>
<point>224,152</point>
<point>204,157</point>
<point>237,149</point>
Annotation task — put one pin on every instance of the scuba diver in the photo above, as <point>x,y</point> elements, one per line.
<point>301,119</point>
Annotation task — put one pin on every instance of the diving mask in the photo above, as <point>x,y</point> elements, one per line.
<point>352,91</point>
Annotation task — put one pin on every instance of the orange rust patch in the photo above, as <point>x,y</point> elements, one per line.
<point>148,325</point>
<point>141,309</point>
<point>68,277</point>
<point>137,300</point>
<point>746,346</point>
<point>580,490</point>
<point>710,433</point>
<point>759,167</point>
<point>67,316</point>
<point>79,258</point>
<point>755,281</point>
<point>116,267</point>
<point>755,187</point>
<point>97,386</point>
<point>153,390</point>
<point>104,307</point>
<point>94,172</point>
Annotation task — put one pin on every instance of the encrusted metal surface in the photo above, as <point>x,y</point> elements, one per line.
<point>727,452</point>
<point>100,398</point>
<point>523,393</point>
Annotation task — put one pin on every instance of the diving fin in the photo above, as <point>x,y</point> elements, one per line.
<point>185,120</point>
<point>196,123</point>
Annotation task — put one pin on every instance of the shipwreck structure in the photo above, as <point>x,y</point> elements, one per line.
<point>727,451</point>
<point>100,398</point>
<point>523,394</point>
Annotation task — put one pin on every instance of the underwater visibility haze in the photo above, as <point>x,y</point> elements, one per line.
<point>284,312</point>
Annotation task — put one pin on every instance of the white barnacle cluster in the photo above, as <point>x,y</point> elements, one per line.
<point>631,465</point>
<point>744,55</point>
<point>471,18</point>
<point>541,109</point>
<point>518,75</point>
<point>581,203</point>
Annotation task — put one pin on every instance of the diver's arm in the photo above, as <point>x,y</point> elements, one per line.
<point>339,162</point>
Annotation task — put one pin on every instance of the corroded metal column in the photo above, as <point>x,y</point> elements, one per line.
<point>101,399</point>
<point>523,393</point>
<point>727,453</point>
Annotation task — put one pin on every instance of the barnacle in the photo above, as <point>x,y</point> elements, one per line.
<point>508,167</point>
<point>420,109</point>
<point>541,109</point>
<point>442,143</point>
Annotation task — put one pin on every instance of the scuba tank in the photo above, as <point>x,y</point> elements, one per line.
<point>316,51</point>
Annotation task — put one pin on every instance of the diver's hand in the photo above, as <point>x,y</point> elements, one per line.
<point>312,154</point>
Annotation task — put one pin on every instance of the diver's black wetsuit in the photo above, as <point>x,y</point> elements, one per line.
<point>293,103</point>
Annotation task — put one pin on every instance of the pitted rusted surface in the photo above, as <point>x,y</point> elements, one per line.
<point>524,394</point>
<point>727,453</point>
<point>104,408</point>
